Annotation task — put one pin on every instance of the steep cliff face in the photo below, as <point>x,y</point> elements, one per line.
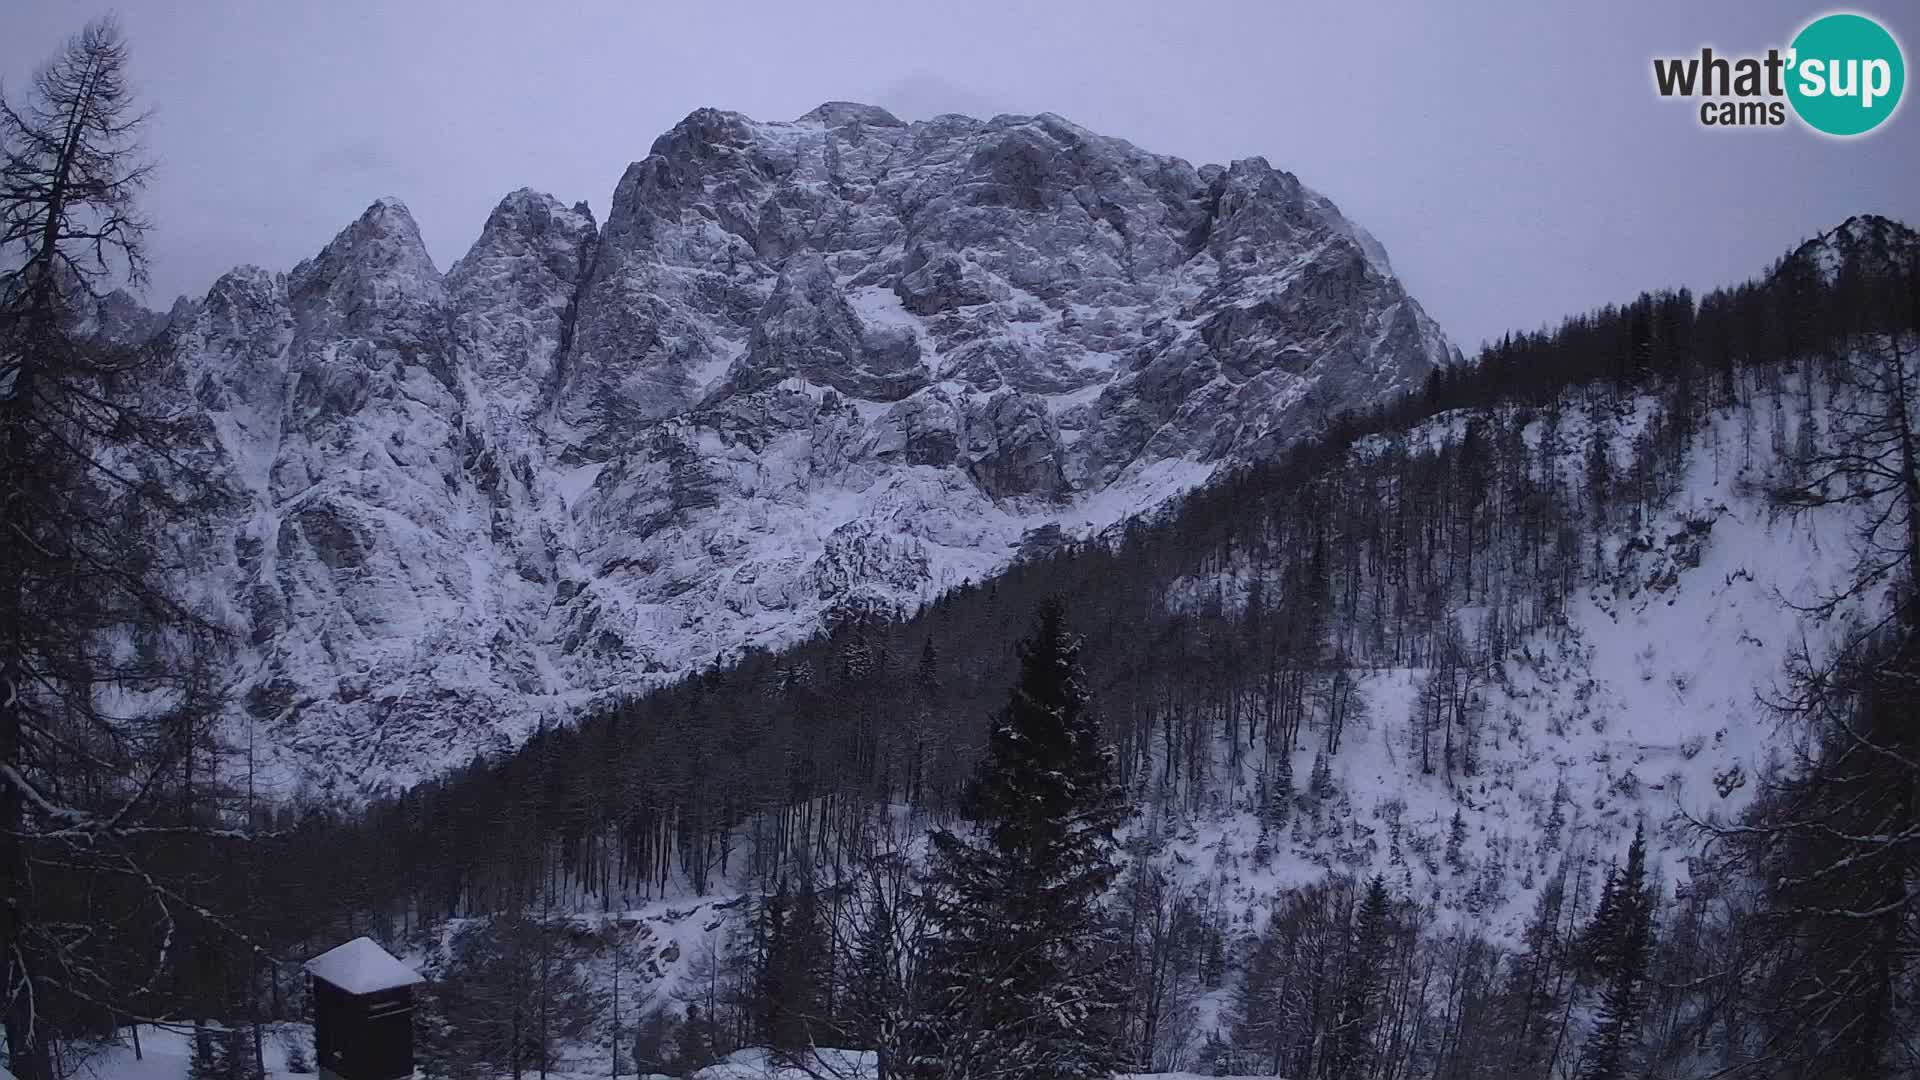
<point>839,363</point>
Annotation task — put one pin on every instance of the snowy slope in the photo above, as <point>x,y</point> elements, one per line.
<point>1647,705</point>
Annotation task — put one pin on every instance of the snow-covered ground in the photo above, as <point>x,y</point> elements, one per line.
<point>165,1052</point>
<point>823,1064</point>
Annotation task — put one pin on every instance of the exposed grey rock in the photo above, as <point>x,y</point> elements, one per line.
<point>512,296</point>
<point>806,330</point>
<point>1011,447</point>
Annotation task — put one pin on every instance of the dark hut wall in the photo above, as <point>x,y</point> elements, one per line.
<point>363,1036</point>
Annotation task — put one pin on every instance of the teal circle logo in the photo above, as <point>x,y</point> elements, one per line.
<point>1846,74</point>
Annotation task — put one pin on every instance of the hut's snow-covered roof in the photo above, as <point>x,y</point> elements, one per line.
<point>361,967</point>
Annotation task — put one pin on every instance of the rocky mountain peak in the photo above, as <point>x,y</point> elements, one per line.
<point>372,294</point>
<point>513,295</point>
<point>1877,244</point>
<point>835,114</point>
<point>529,223</point>
<point>836,364</point>
<point>384,241</point>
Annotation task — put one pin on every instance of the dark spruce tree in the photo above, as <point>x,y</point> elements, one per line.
<point>1353,1032</point>
<point>790,991</point>
<point>1532,1003</point>
<point>207,1060</point>
<point>1621,937</point>
<point>1021,981</point>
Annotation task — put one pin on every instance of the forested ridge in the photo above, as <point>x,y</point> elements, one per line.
<point>1001,837</point>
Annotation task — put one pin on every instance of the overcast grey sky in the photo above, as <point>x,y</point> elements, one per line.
<point>1512,156</point>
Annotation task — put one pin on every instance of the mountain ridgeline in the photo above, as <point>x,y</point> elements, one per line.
<point>838,365</point>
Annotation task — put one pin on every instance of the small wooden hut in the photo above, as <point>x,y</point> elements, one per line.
<point>362,1013</point>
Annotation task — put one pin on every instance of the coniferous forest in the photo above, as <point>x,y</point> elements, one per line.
<point>964,839</point>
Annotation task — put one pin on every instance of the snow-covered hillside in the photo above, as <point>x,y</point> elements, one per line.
<point>1648,704</point>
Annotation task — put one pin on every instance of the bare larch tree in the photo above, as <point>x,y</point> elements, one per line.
<point>104,686</point>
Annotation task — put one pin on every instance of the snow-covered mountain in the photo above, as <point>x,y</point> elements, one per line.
<point>841,363</point>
